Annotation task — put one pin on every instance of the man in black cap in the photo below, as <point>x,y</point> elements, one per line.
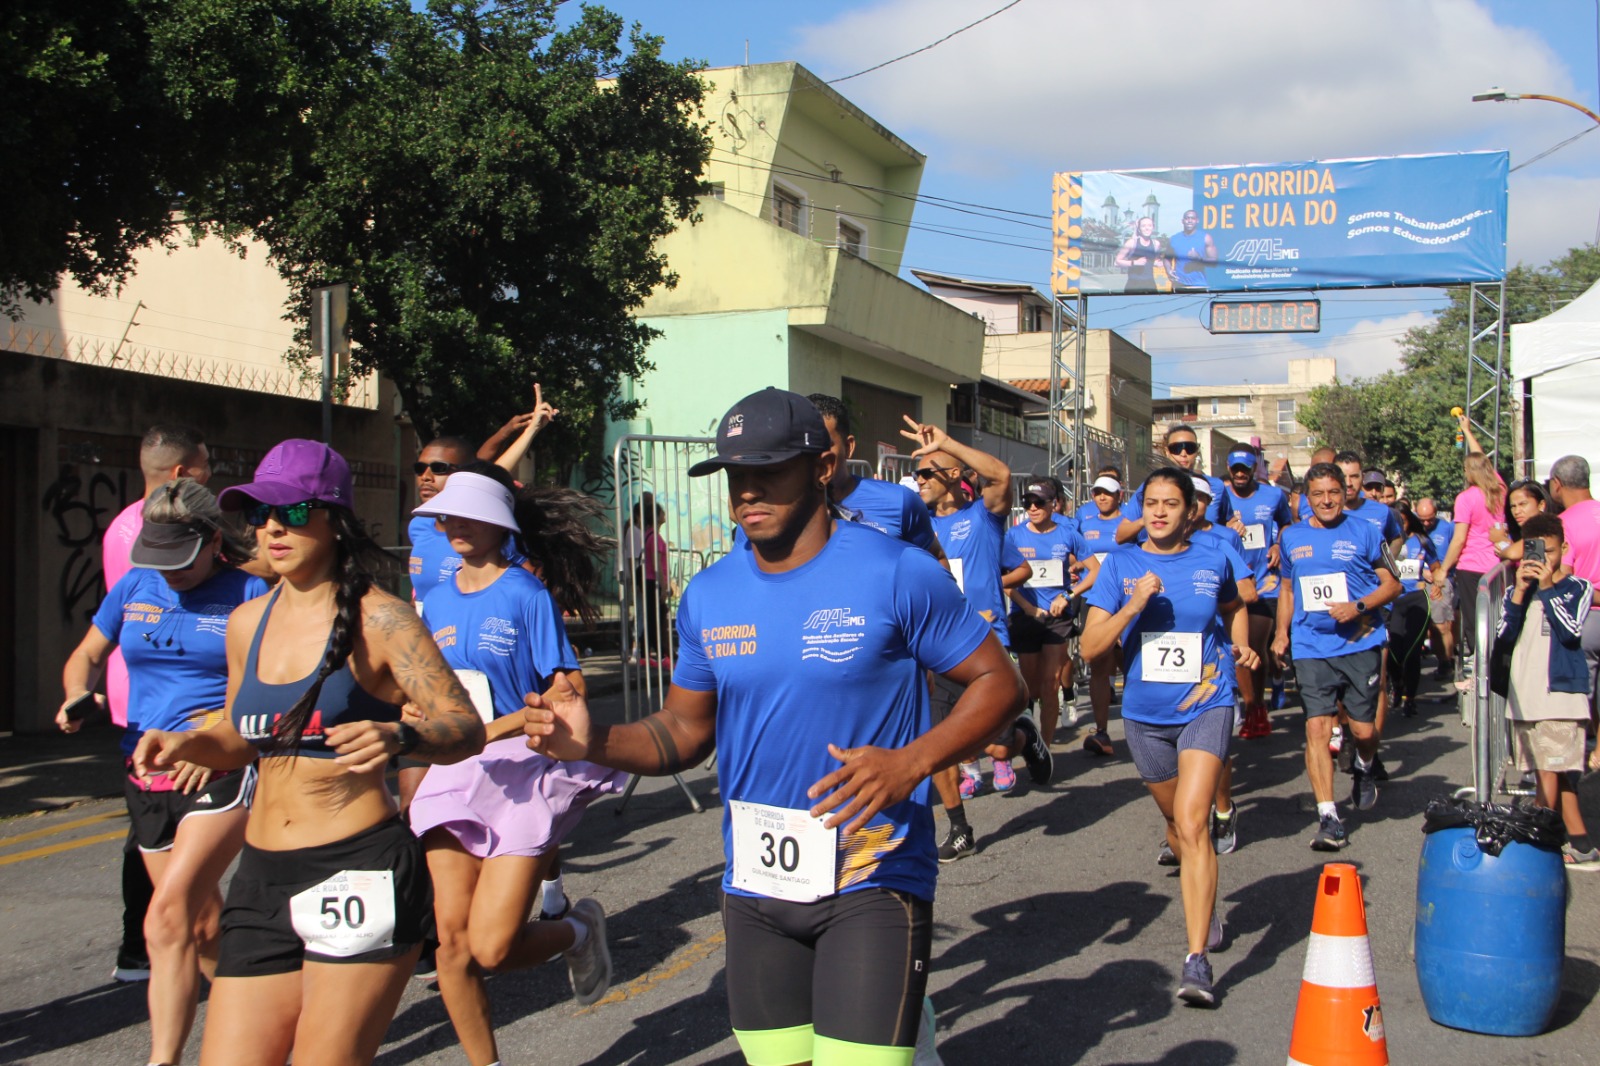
<point>807,679</point>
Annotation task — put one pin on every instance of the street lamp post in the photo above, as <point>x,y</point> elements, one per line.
<point>1501,96</point>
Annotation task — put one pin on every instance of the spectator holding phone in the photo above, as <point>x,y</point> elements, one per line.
<point>1540,670</point>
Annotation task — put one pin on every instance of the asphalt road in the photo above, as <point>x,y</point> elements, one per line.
<point>1059,942</point>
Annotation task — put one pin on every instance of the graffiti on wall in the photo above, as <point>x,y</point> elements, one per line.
<point>82,509</point>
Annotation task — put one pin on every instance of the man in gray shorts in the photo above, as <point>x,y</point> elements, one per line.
<point>1441,592</point>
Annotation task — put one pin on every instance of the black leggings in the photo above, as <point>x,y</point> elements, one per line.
<point>1467,608</point>
<point>1408,638</point>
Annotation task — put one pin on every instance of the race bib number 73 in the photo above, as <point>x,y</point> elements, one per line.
<point>782,853</point>
<point>349,913</point>
<point>1173,658</point>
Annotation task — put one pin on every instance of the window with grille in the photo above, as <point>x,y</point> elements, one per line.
<point>1286,416</point>
<point>787,207</point>
<point>852,238</point>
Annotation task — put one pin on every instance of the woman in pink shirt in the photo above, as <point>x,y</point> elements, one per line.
<point>1480,517</point>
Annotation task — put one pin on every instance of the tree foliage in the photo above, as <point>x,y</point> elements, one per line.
<point>115,111</point>
<point>494,192</point>
<point>1400,421</point>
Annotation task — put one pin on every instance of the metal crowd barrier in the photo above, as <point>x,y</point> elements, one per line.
<point>1492,771</point>
<point>894,467</point>
<point>649,473</point>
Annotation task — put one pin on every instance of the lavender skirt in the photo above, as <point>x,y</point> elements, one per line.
<point>509,800</point>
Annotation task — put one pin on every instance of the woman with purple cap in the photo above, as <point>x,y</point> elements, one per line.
<point>331,902</point>
<point>169,614</point>
<point>491,824</point>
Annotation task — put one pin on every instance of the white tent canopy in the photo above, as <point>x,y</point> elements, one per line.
<point>1559,357</point>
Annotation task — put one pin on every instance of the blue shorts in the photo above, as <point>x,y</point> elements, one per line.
<point>1155,748</point>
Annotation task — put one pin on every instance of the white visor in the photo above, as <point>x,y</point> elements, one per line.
<point>1106,484</point>
<point>1201,485</point>
<point>474,496</point>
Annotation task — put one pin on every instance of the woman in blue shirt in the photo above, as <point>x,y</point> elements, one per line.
<point>491,825</point>
<point>1175,606</point>
<point>1408,618</point>
<point>169,614</point>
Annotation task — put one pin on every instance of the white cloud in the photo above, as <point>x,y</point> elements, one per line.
<point>1103,84</point>
<point>1551,213</point>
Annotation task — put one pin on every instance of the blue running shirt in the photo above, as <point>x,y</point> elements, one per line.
<point>831,652</point>
<point>1059,543</point>
<point>174,644</point>
<point>1195,584</point>
<point>1382,516</point>
<point>432,563</point>
<point>1443,531</point>
<point>1100,534</point>
<point>1417,560</point>
<point>511,631</point>
<point>1218,511</point>
<point>891,508</point>
<point>978,538</point>
<point>1268,508</point>
<point>1351,551</point>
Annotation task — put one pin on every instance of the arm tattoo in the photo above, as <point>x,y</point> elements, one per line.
<point>666,747</point>
<point>451,729</point>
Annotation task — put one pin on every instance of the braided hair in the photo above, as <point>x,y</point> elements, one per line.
<point>359,561</point>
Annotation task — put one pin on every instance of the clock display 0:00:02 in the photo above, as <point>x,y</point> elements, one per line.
<point>1266,316</point>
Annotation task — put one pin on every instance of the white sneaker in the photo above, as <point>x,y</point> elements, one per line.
<point>1071,715</point>
<point>589,966</point>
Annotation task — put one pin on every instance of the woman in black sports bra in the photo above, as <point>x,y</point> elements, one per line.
<point>331,901</point>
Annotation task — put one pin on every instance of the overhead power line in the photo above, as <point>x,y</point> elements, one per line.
<point>918,51</point>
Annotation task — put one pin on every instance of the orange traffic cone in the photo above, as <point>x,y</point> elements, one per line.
<point>1338,1021</point>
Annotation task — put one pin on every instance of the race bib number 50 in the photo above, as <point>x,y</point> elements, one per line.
<point>782,853</point>
<point>349,913</point>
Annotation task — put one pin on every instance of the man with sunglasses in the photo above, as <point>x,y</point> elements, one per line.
<point>1183,449</point>
<point>972,529</point>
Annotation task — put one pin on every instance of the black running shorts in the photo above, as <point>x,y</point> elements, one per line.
<point>1354,679</point>
<point>154,815</point>
<point>848,970</point>
<point>365,898</point>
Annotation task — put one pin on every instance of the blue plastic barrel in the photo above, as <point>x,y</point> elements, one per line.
<point>1491,934</point>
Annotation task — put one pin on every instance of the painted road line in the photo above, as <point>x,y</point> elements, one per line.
<point>687,958</point>
<point>64,827</point>
<point>56,849</point>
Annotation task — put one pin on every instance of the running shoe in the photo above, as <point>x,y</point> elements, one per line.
<point>589,966</point>
<point>1035,752</point>
<point>131,967</point>
<point>1218,932</point>
<point>1336,741</point>
<point>958,844</point>
<point>1408,708</point>
<point>1225,832</point>
<point>1005,778</point>
<point>971,781</point>
<point>1070,715</point>
<point>1196,989</point>
<point>1280,697</point>
<point>1363,789</point>
<point>1581,861</point>
<point>1379,771</point>
<point>1166,856</point>
<point>1098,743</point>
<point>1330,834</point>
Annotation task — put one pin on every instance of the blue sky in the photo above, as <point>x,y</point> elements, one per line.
<point>1111,84</point>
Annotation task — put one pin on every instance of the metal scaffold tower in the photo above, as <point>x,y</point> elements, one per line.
<point>1486,326</point>
<point>1068,451</point>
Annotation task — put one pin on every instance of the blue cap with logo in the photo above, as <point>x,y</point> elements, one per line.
<point>1242,458</point>
<point>766,427</point>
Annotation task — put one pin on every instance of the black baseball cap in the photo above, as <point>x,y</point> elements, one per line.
<point>1372,477</point>
<point>766,427</point>
<point>169,545</point>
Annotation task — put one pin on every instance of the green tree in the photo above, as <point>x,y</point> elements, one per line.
<point>1400,421</point>
<point>495,195</point>
<point>116,110</point>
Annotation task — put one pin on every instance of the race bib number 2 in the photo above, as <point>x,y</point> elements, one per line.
<point>1047,573</point>
<point>782,853</point>
<point>1172,658</point>
<point>1319,590</point>
<point>350,913</point>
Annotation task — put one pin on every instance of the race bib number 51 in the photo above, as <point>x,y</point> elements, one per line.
<point>782,853</point>
<point>349,913</point>
<point>1319,590</point>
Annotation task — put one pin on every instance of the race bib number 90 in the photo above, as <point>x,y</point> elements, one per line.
<point>350,913</point>
<point>1170,658</point>
<point>782,853</point>
<point>1319,590</point>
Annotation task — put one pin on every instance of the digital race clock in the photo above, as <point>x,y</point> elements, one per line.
<point>1265,316</point>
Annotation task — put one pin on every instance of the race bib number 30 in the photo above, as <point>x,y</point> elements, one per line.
<point>1047,573</point>
<point>1171,658</point>
<point>1319,590</point>
<point>782,853</point>
<point>350,913</point>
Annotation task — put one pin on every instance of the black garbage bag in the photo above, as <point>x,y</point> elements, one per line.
<point>1497,824</point>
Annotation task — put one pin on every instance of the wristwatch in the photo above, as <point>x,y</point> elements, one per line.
<point>1361,606</point>
<point>408,736</point>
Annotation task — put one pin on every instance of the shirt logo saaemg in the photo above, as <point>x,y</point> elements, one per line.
<point>832,634</point>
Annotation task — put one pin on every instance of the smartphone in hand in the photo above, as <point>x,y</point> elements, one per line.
<point>79,709</point>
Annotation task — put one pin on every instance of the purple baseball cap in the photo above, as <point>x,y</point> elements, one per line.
<point>292,472</point>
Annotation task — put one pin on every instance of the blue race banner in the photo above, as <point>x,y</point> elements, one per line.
<point>1337,224</point>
